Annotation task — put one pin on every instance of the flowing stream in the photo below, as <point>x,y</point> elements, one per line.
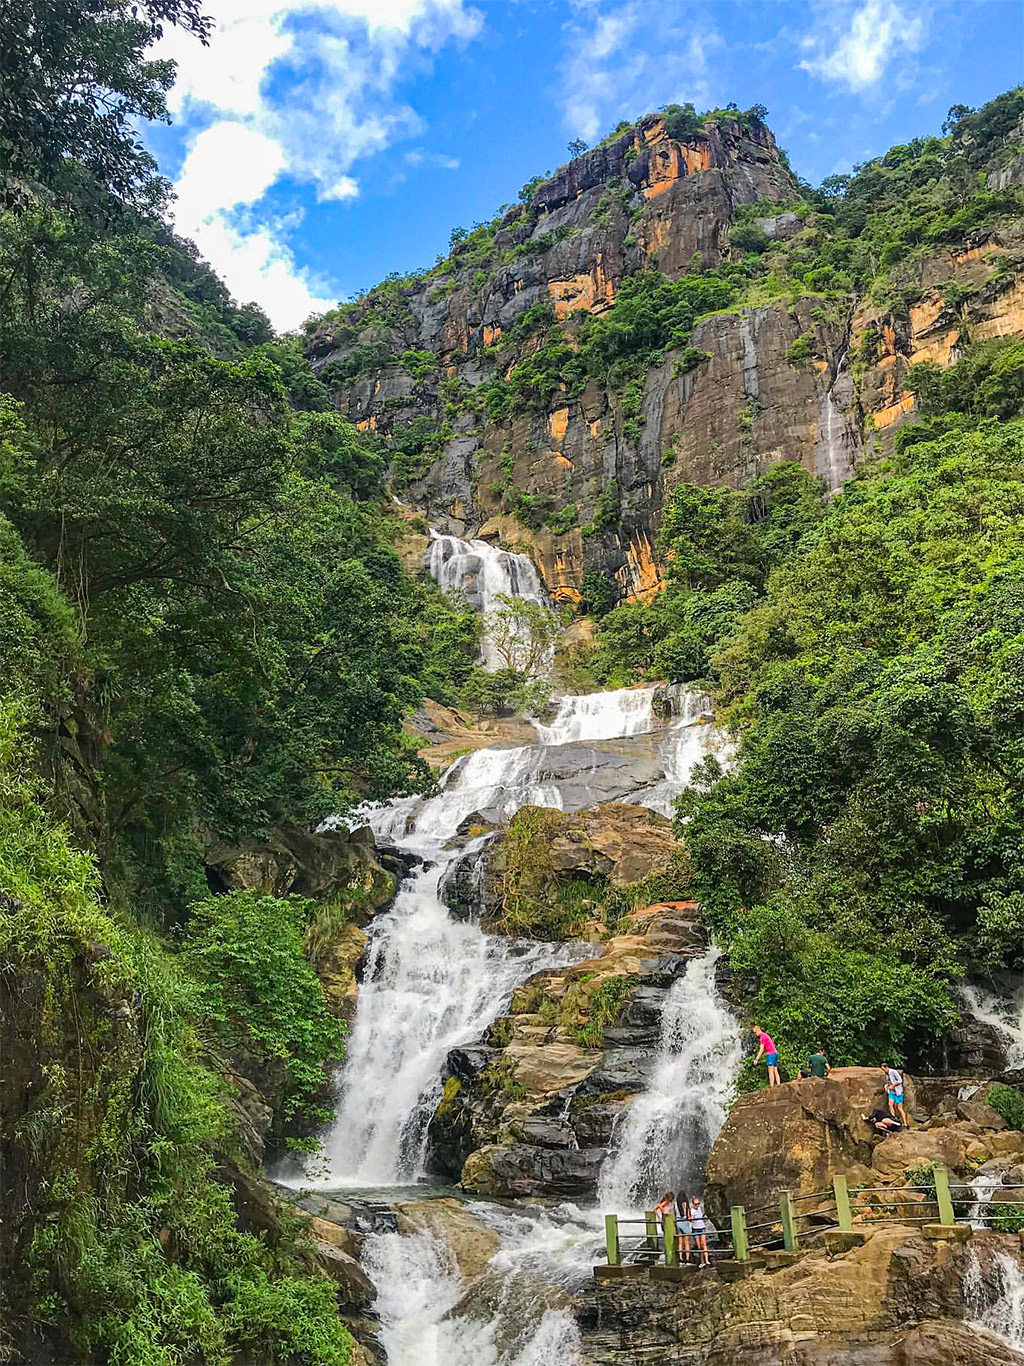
<point>432,983</point>
<point>997,1309</point>
<point>1004,1016</point>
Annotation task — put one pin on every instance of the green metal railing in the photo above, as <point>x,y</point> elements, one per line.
<point>791,1224</point>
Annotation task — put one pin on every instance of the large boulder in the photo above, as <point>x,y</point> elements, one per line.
<point>330,864</point>
<point>543,852</point>
<point>336,967</point>
<point>521,1169</point>
<point>471,1242</point>
<point>795,1137</point>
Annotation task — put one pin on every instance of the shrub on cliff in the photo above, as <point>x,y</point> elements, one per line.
<point>263,999</point>
<point>125,1240</point>
<point>877,803</point>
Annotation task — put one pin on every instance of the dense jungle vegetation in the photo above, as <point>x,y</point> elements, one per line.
<point>205,630</point>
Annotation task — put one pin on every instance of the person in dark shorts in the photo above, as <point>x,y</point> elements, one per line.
<point>683,1224</point>
<point>882,1122</point>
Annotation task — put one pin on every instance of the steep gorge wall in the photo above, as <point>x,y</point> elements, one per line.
<point>646,199</point>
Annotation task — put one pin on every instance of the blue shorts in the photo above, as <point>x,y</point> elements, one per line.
<point>895,1096</point>
<point>772,1059</point>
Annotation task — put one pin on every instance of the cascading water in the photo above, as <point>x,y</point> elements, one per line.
<point>484,573</point>
<point>600,716</point>
<point>420,1287</point>
<point>432,984</point>
<point>665,1135</point>
<point>998,1308</point>
<point>1005,1017</point>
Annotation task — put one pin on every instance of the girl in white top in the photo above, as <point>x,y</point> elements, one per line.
<point>697,1223</point>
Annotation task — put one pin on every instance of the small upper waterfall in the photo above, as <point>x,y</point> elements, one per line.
<point>666,1133</point>
<point>1005,1017</point>
<point>484,573</point>
<point>999,1308</point>
<point>837,443</point>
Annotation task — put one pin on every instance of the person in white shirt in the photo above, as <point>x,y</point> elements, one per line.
<point>894,1092</point>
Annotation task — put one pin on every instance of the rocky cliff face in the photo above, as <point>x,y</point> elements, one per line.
<point>813,379</point>
<point>900,1297</point>
<point>529,1110</point>
<point>899,1300</point>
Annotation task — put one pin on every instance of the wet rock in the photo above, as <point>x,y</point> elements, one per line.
<point>337,969</point>
<point>896,1300</point>
<point>520,1169</point>
<point>470,1241</point>
<point>354,1288</point>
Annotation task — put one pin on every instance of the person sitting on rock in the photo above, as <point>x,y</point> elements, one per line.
<point>770,1053</point>
<point>894,1092</point>
<point>699,1226</point>
<point>683,1224</point>
<point>817,1065</point>
<point>882,1122</point>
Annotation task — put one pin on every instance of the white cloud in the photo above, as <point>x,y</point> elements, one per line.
<point>855,44</point>
<point>230,165</point>
<point>612,73</point>
<point>292,90</point>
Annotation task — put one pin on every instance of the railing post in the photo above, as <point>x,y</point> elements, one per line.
<point>942,1196</point>
<point>671,1241</point>
<point>611,1238</point>
<point>842,1203</point>
<point>740,1248</point>
<point>652,1230</point>
<point>789,1233</point>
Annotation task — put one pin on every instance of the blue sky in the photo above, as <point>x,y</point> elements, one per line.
<point>318,145</point>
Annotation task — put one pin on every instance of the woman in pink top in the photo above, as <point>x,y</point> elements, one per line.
<point>770,1053</point>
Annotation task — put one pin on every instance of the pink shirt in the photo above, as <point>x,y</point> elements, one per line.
<point>768,1043</point>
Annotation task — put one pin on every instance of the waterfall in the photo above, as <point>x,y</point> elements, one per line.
<point>420,1287</point>
<point>665,1135</point>
<point>1004,1015</point>
<point>600,716</point>
<point>484,573</point>
<point>432,984</point>
<point>1001,1313</point>
<point>836,449</point>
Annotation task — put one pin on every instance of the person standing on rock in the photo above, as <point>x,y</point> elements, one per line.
<point>894,1092</point>
<point>684,1224</point>
<point>770,1053</point>
<point>700,1229</point>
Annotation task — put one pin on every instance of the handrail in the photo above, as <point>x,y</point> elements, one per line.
<point>662,1240</point>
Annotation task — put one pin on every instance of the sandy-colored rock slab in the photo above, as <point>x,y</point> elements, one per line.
<point>471,1243</point>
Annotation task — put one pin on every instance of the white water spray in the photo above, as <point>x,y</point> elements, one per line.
<point>664,1138</point>
<point>1002,1313</point>
<point>420,1287</point>
<point>1004,1016</point>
